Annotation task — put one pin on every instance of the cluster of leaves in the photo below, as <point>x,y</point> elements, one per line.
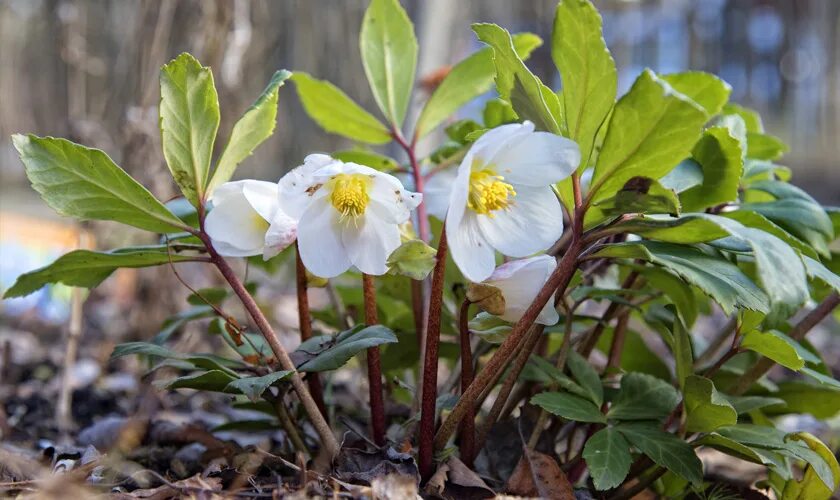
<point>686,213</point>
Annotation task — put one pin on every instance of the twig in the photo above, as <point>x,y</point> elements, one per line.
<point>287,424</point>
<point>717,343</point>
<point>641,486</point>
<point>617,345</point>
<point>467,430</point>
<point>798,332</point>
<point>429,391</point>
<point>374,364</point>
<point>74,334</point>
<point>591,340</point>
<point>305,322</point>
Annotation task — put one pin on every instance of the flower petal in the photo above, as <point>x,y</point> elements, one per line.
<point>531,224</point>
<point>295,188</point>
<point>537,159</point>
<point>263,197</point>
<point>369,241</point>
<point>390,200</point>
<point>236,229</point>
<point>520,281</point>
<point>319,240</point>
<point>497,139</point>
<point>281,234</point>
<point>471,253</point>
<point>437,191</point>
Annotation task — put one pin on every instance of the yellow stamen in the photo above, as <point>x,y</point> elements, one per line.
<point>350,193</point>
<point>489,192</point>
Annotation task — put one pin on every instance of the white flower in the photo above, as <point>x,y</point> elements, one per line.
<point>503,199</point>
<point>349,214</point>
<point>246,220</point>
<point>437,190</point>
<point>520,281</point>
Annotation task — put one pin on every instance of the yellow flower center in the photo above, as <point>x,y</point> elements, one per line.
<point>259,223</point>
<point>350,194</point>
<point>489,192</point>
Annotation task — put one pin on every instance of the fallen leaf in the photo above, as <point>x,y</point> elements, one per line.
<point>539,475</point>
<point>454,480</point>
<point>364,466</point>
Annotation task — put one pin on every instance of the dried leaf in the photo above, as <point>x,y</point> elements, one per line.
<point>539,475</point>
<point>454,480</point>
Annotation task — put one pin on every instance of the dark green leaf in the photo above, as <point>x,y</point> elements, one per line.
<point>607,455</point>
<point>335,112</point>
<point>643,397</point>
<point>586,376</point>
<point>213,380</point>
<point>254,387</point>
<point>347,345</point>
<point>389,55</point>
<point>719,154</point>
<point>255,126</point>
<point>819,400</point>
<point>665,449</point>
<point>569,406</point>
<point>746,404</point>
<point>755,435</point>
<point>84,183</point>
<point>189,120</point>
<point>86,268</point>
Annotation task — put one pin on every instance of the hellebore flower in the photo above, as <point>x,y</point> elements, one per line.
<point>502,198</point>
<point>519,282</point>
<point>246,220</point>
<point>349,214</point>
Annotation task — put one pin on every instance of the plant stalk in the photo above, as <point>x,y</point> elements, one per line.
<point>430,365</point>
<point>467,430</point>
<point>310,406</point>
<point>305,321</point>
<point>374,365</point>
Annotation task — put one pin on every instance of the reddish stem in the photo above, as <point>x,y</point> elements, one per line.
<point>305,320</point>
<point>430,365</point>
<point>417,176</point>
<point>374,365</point>
<point>617,346</point>
<point>467,431</point>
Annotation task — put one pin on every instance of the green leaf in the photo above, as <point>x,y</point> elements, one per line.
<point>680,292</point>
<point>389,55</point>
<point>637,355</point>
<point>254,387</point>
<point>653,127</point>
<point>569,406</point>
<point>733,448</point>
<point>641,195</point>
<point>335,112</point>
<point>686,175</point>
<point>530,98</point>
<point>706,408</point>
<point>764,146</point>
<point>212,380</point>
<point>414,258</point>
<point>371,159</point>
<point>587,69</point>
<point>607,455</point>
<point>757,221</point>
<point>665,449</point>
<point>643,397</point>
<point>720,156</point>
<point>822,476</point>
<point>81,182</point>
<point>805,220</point>
<point>718,278</point>
<point>821,378</point>
<point>548,372</point>
<point>755,435</point>
<point>819,400</point>
<point>87,269</point>
<point>776,346</point>
<point>200,361</point>
<point>468,79</point>
<point>746,404</point>
<point>189,120</point>
<point>586,376</point>
<point>334,353</point>
<point>751,118</point>
<point>255,126</point>
<point>498,112</point>
<point>705,89</point>
<point>683,354</point>
<point>255,425</point>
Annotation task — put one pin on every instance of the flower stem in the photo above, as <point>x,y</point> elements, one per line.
<point>318,422</point>
<point>430,365</point>
<point>374,364</point>
<point>467,431</point>
<point>798,332</point>
<point>417,176</point>
<point>558,280</point>
<point>305,321</point>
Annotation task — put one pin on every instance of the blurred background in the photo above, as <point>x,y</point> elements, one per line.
<point>88,70</point>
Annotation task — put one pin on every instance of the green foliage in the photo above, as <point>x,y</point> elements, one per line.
<point>706,408</point>
<point>330,353</point>
<point>189,120</point>
<point>85,268</point>
<point>468,79</point>
<point>84,183</point>
<point>643,397</point>
<point>665,449</point>
<point>414,258</point>
<point>337,113</point>
<point>255,126</point>
<point>569,406</point>
<point>607,454</point>
<point>389,55</point>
